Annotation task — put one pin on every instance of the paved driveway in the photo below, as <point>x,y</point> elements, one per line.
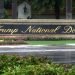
<point>59,54</point>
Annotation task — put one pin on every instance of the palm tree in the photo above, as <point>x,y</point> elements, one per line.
<point>1,9</point>
<point>68,9</point>
<point>14,9</point>
<point>57,7</point>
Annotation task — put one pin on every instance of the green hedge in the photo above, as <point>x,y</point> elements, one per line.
<point>16,65</point>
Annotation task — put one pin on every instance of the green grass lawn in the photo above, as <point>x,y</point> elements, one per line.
<point>58,42</point>
<point>34,42</point>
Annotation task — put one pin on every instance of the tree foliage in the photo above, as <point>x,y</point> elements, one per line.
<point>39,5</point>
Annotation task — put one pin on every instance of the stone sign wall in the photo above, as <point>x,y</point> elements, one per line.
<point>37,28</point>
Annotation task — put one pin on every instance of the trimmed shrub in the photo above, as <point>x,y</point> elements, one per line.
<point>18,65</point>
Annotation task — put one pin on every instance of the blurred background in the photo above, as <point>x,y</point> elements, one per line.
<point>34,9</point>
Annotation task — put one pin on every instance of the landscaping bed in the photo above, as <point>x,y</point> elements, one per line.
<point>19,65</point>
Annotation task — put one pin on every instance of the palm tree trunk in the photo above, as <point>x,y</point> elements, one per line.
<point>1,9</point>
<point>68,9</point>
<point>57,9</point>
<point>14,9</point>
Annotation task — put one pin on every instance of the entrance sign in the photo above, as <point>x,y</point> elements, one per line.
<point>39,28</point>
<point>36,29</point>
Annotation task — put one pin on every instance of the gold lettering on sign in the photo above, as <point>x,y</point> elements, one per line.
<point>31,29</point>
<point>69,29</point>
<point>11,31</point>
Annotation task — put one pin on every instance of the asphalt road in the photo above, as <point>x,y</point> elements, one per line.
<point>59,54</point>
